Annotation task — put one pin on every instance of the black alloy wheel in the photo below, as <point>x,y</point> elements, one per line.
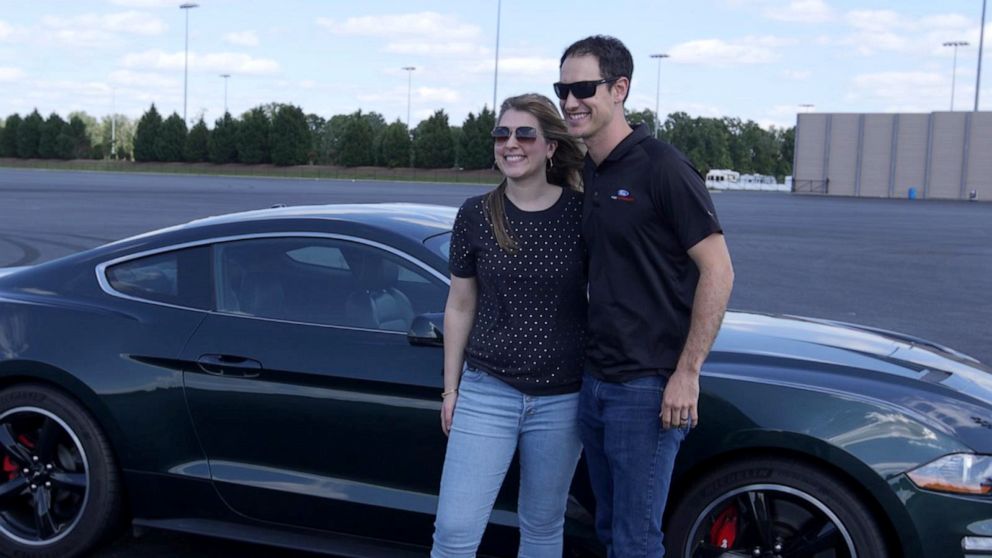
<point>59,490</point>
<point>772,508</point>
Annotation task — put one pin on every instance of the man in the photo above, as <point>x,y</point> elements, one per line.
<point>659,280</point>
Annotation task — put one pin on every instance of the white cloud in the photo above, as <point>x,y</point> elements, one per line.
<point>434,49</point>
<point>889,31</point>
<point>437,94</point>
<point>801,11</point>
<point>427,25</point>
<point>902,91</point>
<point>798,75</point>
<point>10,74</point>
<point>146,3</point>
<point>229,62</point>
<point>242,38</point>
<point>519,65</point>
<point>136,23</point>
<point>142,79</point>
<point>717,52</point>
<point>6,31</point>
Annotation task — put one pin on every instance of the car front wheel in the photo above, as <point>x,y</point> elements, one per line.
<point>59,487</point>
<point>776,508</point>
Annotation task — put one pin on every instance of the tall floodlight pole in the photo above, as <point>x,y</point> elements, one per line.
<point>499,7</point>
<point>657,94</point>
<point>409,88</point>
<point>113,123</point>
<point>954,71</point>
<point>186,8</point>
<point>807,107</point>
<point>225,76</point>
<point>981,45</point>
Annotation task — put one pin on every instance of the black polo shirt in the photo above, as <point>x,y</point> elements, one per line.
<point>645,206</point>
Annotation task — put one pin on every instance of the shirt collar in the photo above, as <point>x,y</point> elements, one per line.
<point>639,134</point>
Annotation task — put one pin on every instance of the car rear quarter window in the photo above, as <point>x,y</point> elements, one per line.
<point>179,277</point>
<point>323,281</point>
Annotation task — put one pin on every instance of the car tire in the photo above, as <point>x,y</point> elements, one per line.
<point>749,507</point>
<point>60,490</point>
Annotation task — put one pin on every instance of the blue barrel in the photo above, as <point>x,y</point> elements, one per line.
<point>912,193</point>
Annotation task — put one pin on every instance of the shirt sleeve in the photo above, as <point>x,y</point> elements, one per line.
<point>461,254</point>
<point>686,203</point>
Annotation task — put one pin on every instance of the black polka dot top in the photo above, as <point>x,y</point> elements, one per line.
<point>530,322</point>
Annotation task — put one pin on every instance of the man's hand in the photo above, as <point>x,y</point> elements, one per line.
<point>679,406</point>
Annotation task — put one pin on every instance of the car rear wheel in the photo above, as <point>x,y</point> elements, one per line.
<point>59,487</point>
<point>777,508</point>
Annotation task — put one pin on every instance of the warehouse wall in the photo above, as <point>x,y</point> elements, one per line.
<point>942,155</point>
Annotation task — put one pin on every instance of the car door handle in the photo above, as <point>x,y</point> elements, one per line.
<point>229,365</point>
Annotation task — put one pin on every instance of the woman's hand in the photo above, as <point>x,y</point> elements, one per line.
<point>448,411</point>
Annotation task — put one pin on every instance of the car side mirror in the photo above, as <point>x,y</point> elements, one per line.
<point>427,330</point>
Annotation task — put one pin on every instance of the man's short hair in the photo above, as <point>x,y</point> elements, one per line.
<point>614,58</point>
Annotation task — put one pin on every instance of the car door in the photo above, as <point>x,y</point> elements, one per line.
<point>312,406</point>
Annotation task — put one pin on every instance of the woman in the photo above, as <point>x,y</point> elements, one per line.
<point>514,337</point>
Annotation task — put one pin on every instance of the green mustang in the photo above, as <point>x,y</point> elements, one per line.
<point>273,376</point>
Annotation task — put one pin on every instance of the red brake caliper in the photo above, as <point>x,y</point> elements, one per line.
<point>723,533</point>
<point>9,466</point>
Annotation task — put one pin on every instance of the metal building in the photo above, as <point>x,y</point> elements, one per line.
<point>941,155</point>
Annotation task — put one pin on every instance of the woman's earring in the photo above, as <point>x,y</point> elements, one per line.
<point>551,163</point>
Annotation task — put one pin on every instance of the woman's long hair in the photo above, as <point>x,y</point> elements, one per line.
<point>565,167</point>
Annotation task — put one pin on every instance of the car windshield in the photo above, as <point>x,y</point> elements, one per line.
<point>440,244</point>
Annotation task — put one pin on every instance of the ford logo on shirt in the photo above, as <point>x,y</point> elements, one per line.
<point>622,195</point>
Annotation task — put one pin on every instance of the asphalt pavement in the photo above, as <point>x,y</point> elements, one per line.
<point>920,267</point>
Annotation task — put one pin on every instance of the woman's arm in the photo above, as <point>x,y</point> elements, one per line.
<point>459,315</point>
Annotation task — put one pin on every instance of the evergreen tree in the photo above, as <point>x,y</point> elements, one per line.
<point>477,141</point>
<point>149,126</point>
<point>253,135</point>
<point>315,124</point>
<point>171,140</point>
<point>291,141</point>
<point>223,142</point>
<point>330,138</point>
<point>394,145</point>
<point>78,142</point>
<point>356,141</point>
<point>196,149</point>
<point>8,140</point>
<point>433,145</point>
<point>28,135</point>
<point>50,131</point>
<point>787,151</point>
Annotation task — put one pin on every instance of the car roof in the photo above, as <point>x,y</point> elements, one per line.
<point>412,220</point>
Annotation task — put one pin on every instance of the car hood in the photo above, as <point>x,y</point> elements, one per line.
<point>935,383</point>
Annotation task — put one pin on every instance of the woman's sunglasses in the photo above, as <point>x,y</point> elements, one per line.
<point>525,134</point>
<point>580,89</point>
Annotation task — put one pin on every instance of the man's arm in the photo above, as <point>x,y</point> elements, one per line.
<point>716,280</point>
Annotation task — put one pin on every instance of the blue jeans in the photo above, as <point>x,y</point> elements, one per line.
<point>492,420</point>
<point>630,459</point>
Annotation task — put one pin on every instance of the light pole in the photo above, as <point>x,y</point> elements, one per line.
<point>808,107</point>
<point>981,45</point>
<point>954,72</point>
<point>186,8</point>
<point>225,76</point>
<point>409,84</point>
<point>657,93</point>
<point>499,7</point>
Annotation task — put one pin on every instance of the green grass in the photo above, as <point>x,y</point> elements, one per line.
<point>306,172</point>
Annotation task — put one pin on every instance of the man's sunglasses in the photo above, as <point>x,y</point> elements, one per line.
<point>580,89</point>
<point>525,134</point>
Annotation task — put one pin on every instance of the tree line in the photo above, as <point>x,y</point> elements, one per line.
<point>283,135</point>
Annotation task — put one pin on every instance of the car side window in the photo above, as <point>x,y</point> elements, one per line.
<point>323,281</point>
<point>179,277</point>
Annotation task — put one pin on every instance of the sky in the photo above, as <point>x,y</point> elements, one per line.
<point>761,60</point>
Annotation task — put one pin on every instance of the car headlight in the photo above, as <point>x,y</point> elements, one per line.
<point>958,473</point>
